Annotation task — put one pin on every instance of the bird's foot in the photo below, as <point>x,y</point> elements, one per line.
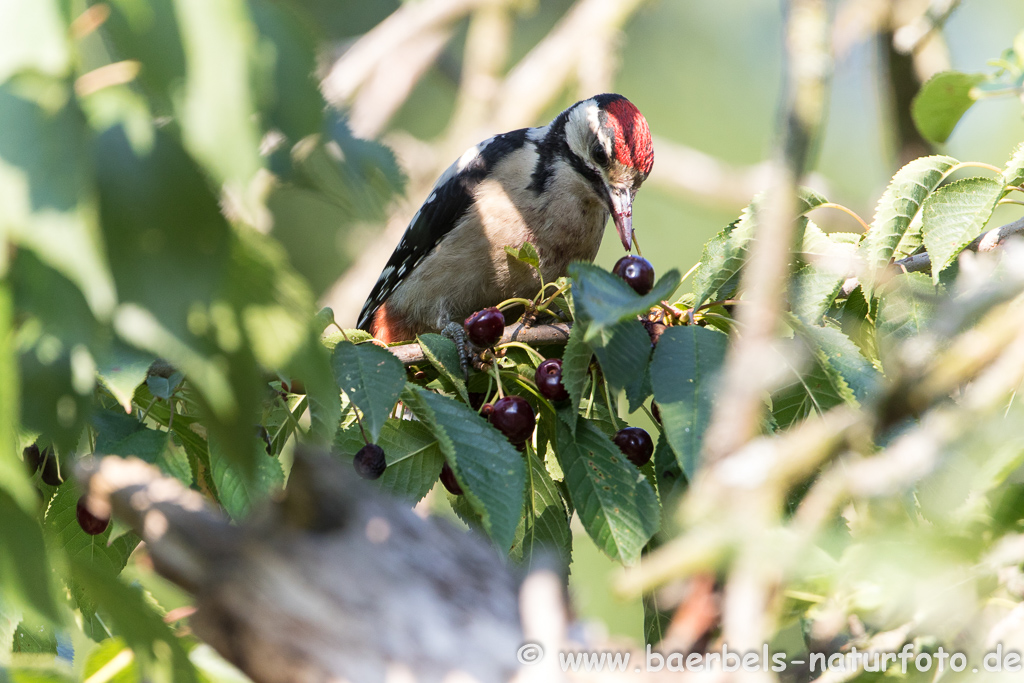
<point>457,333</point>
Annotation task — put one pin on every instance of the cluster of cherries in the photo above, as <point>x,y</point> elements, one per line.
<point>44,461</point>
<point>512,415</point>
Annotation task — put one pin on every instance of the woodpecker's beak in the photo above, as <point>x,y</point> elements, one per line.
<point>621,200</point>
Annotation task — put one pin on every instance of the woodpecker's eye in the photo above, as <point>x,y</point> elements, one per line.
<point>598,154</point>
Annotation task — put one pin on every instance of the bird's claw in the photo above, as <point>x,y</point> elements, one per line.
<point>457,333</point>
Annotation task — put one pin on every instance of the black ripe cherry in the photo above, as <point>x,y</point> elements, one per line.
<point>636,271</point>
<point>635,444</point>
<point>549,380</point>
<point>485,327</point>
<point>514,418</point>
<point>370,462</point>
<point>449,481</point>
<point>47,460</point>
<point>90,523</point>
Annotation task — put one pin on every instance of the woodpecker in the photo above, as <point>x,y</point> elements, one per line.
<point>553,186</point>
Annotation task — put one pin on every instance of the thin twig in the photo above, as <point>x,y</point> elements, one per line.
<point>557,333</point>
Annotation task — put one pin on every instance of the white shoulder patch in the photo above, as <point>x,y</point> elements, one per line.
<point>470,154</point>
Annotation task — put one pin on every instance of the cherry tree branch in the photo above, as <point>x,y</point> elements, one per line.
<point>557,333</point>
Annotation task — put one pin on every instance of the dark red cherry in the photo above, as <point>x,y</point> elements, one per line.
<point>636,271</point>
<point>514,418</point>
<point>369,461</point>
<point>90,523</point>
<point>45,458</point>
<point>485,327</point>
<point>449,481</point>
<point>549,380</point>
<point>635,443</point>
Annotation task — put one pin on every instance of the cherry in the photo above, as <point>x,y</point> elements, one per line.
<point>514,418</point>
<point>636,271</point>
<point>549,380</point>
<point>635,444</point>
<point>449,480</point>
<point>485,327</point>
<point>294,386</point>
<point>656,412</point>
<point>45,458</point>
<point>33,458</point>
<point>90,523</point>
<point>369,461</point>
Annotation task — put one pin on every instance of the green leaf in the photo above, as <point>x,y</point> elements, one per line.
<point>443,355</point>
<point>46,195</point>
<point>725,254</point>
<point>526,253</point>
<point>312,228</point>
<point>217,113</point>
<point>954,215</point>
<point>51,403</point>
<point>843,357</point>
<point>656,619</point>
<point>575,368</point>
<point>24,568</point>
<point>290,95</point>
<point>624,350</point>
<point>1013,174</point>
<point>813,291</point>
<point>941,102</point>
<point>546,522</point>
<point>898,206</point>
<point>490,471</point>
<point>905,309</point>
<point>837,373</point>
<point>104,654</point>
<point>175,266</point>
<point>603,299</point>
<point>684,373</point>
<point>372,378</point>
<point>237,492</point>
<point>13,478</point>
<point>614,501</point>
<point>124,435</point>
<point>121,434</point>
<point>273,304</point>
<point>134,620</point>
<point>122,370</point>
<point>412,452</point>
<point>32,38</point>
<point>106,555</point>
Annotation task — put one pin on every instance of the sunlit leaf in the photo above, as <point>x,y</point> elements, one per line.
<point>954,215</point>
<point>898,206</point>
<point>941,102</point>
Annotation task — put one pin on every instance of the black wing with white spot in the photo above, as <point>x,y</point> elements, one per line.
<point>451,198</point>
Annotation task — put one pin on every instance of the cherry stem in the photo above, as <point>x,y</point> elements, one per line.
<point>508,303</point>
<point>636,244</point>
<point>848,211</point>
<point>611,411</point>
<point>524,347</point>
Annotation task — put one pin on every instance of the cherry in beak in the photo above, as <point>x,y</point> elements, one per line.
<point>621,200</point>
